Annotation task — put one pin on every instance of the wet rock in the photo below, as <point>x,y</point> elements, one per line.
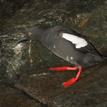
<point>44,86</point>
<point>10,97</point>
<point>90,91</point>
<point>12,55</point>
<point>87,17</point>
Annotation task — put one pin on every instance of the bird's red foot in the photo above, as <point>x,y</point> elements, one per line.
<point>72,80</point>
<point>63,68</point>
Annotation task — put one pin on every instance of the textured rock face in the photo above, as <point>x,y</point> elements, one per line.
<point>26,64</point>
<point>90,91</point>
<point>10,97</point>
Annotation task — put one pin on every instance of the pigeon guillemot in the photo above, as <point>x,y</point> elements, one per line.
<point>70,46</point>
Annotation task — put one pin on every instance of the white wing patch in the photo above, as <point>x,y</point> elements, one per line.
<point>78,41</point>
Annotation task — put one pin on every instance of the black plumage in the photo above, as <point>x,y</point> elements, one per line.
<point>52,39</point>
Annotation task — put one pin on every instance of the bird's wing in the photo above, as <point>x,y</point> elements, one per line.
<point>90,48</point>
<point>79,43</point>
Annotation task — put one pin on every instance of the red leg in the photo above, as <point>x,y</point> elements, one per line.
<point>73,80</point>
<point>63,68</point>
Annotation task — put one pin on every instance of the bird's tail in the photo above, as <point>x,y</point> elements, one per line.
<point>104,58</point>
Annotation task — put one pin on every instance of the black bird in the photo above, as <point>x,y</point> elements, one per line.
<point>70,46</point>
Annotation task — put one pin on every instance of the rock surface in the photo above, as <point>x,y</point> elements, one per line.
<point>27,66</point>
<point>90,91</point>
<point>11,97</point>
